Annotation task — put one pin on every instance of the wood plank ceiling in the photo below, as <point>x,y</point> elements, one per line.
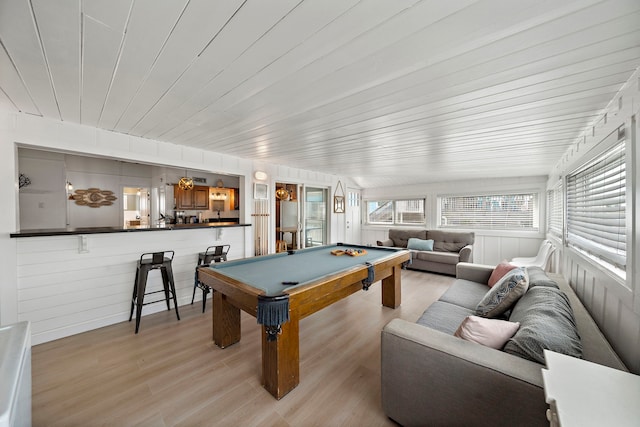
<point>385,91</point>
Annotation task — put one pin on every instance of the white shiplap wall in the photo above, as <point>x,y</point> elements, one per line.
<point>613,302</point>
<point>41,296</point>
<point>490,247</point>
<point>64,292</point>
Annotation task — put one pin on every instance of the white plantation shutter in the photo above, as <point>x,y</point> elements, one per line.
<point>493,212</point>
<point>596,202</point>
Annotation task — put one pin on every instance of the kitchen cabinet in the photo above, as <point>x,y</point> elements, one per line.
<point>195,198</point>
<point>234,198</point>
<point>201,197</point>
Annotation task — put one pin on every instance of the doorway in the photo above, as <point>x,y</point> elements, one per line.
<point>287,217</point>
<point>353,217</point>
<point>135,206</point>
<point>315,216</point>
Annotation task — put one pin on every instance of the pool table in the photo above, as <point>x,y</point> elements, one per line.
<point>280,289</point>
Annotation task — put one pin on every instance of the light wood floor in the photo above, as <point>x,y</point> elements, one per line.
<point>171,373</point>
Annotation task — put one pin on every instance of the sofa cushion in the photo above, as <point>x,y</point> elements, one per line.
<point>492,333</point>
<point>503,294</point>
<point>441,257</point>
<point>450,241</point>
<point>546,321</point>
<point>444,317</point>
<point>465,293</point>
<point>419,244</point>
<point>401,237</point>
<point>538,277</point>
<point>499,271</point>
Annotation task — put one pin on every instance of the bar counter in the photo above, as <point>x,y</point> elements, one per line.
<point>69,231</point>
<point>74,280</point>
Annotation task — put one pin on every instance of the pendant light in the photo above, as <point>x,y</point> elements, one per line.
<point>185,183</point>
<point>282,194</point>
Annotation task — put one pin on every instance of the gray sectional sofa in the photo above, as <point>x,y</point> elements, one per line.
<point>449,248</point>
<point>431,377</point>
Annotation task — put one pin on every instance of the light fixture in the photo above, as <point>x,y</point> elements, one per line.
<point>282,194</point>
<point>23,180</point>
<point>260,175</point>
<point>218,196</point>
<point>219,184</point>
<point>185,183</point>
<point>69,188</point>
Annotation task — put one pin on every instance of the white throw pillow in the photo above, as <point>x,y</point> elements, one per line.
<point>492,333</point>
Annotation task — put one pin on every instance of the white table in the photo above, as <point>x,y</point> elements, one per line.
<point>582,393</point>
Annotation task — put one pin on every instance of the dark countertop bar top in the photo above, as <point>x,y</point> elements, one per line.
<point>98,230</point>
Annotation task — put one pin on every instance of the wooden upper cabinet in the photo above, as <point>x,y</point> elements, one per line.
<point>234,199</point>
<point>196,198</point>
<point>184,198</point>
<point>201,197</point>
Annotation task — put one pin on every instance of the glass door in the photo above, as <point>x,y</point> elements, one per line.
<point>315,216</point>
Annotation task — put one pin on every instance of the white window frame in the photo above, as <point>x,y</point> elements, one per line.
<point>591,227</point>
<point>483,224</point>
<point>555,210</point>
<point>394,220</point>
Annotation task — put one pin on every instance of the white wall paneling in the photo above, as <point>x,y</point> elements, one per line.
<point>19,281</point>
<point>611,300</point>
<point>487,249</point>
<point>63,292</point>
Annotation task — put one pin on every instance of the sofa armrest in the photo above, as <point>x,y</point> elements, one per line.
<point>479,273</point>
<point>429,377</point>
<point>387,242</point>
<point>466,254</point>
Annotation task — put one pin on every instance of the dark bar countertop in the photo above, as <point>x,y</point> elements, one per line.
<point>69,231</point>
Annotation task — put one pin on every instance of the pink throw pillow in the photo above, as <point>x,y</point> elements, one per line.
<point>492,333</point>
<point>498,273</point>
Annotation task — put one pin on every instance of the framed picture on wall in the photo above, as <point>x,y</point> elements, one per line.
<point>338,199</point>
<point>260,191</point>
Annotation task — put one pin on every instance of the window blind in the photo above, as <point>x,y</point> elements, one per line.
<point>494,212</point>
<point>596,202</point>
<point>555,210</point>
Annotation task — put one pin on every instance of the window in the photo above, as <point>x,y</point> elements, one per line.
<point>555,210</point>
<point>406,212</point>
<point>596,200</point>
<point>493,212</point>
<point>353,199</point>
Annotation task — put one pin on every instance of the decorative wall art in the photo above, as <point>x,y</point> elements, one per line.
<point>260,191</point>
<point>338,199</point>
<point>93,197</point>
<point>23,180</point>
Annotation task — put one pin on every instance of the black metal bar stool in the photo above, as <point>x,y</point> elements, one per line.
<point>153,261</point>
<point>212,253</point>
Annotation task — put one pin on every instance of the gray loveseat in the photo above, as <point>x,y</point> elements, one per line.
<point>430,377</point>
<point>449,248</point>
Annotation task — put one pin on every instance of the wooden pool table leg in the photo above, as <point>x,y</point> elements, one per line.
<point>281,359</point>
<point>392,289</point>
<point>226,321</point>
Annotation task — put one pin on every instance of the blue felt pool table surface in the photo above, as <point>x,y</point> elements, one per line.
<point>303,266</point>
